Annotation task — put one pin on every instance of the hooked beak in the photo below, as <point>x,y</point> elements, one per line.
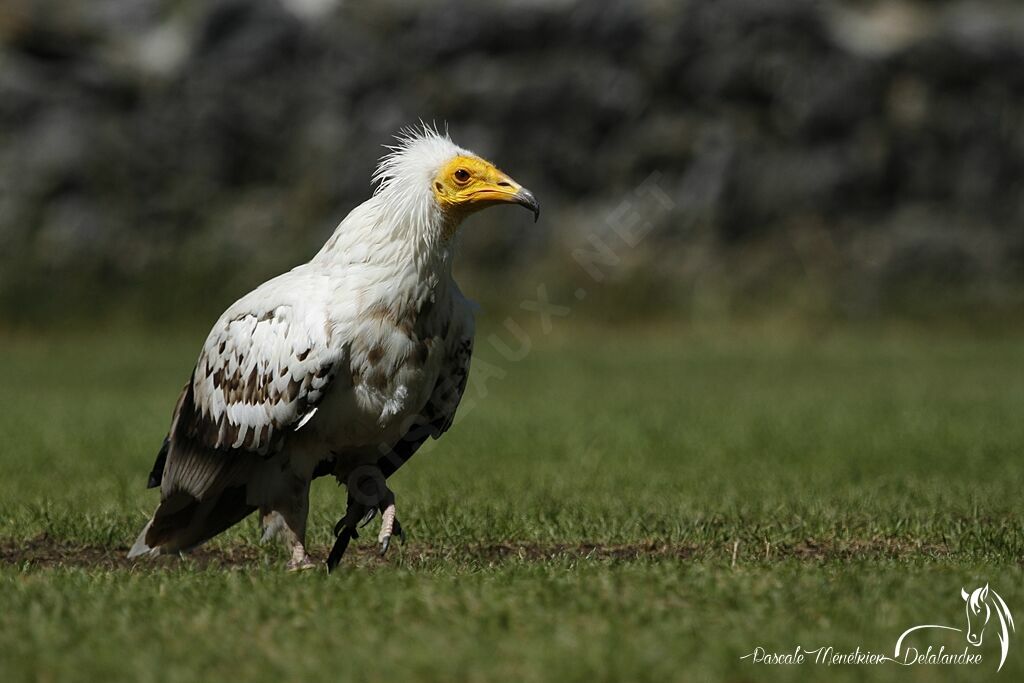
<point>525,198</point>
<point>501,189</point>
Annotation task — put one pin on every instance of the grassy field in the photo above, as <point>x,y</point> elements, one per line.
<point>627,506</point>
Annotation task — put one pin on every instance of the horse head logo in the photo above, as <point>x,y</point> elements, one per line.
<point>981,604</point>
<point>978,613</point>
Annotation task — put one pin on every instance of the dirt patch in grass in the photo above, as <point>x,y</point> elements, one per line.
<point>43,552</point>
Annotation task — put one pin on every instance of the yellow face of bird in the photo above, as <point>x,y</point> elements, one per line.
<point>467,184</point>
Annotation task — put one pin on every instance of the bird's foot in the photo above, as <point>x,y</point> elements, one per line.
<point>301,564</point>
<point>389,526</point>
<point>359,514</point>
<point>300,560</point>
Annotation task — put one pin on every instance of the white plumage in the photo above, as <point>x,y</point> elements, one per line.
<point>360,352</point>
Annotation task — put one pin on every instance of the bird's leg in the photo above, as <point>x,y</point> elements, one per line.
<point>372,489</point>
<point>389,525</point>
<point>300,559</point>
<point>294,516</point>
<point>368,493</point>
<point>272,523</point>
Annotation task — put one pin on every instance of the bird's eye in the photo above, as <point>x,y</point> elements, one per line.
<point>462,175</point>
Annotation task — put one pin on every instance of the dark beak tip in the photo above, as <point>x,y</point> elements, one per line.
<point>527,199</point>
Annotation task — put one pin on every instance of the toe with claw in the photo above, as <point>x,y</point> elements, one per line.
<point>301,564</point>
<point>389,525</point>
<point>385,539</point>
<point>359,514</point>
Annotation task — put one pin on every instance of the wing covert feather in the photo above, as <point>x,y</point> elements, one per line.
<point>258,375</point>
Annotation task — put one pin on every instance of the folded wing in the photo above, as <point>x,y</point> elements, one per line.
<point>259,377</point>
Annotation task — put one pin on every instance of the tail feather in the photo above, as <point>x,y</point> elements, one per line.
<point>181,522</point>
<point>141,547</point>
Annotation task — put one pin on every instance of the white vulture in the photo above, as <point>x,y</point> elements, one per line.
<point>343,365</point>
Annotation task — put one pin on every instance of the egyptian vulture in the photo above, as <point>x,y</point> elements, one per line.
<point>342,366</point>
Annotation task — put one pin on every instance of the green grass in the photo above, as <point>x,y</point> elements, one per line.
<point>739,488</point>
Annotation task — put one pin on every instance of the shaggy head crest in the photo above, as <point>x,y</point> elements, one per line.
<point>426,185</point>
<point>418,154</point>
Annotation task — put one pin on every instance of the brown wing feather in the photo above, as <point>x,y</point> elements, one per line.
<point>193,467</point>
<point>257,378</point>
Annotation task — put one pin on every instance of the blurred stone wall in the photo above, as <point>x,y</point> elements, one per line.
<point>852,148</point>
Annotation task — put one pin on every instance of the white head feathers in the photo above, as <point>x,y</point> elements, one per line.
<point>417,156</point>
<point>404,176</point>
<point>426,185</point>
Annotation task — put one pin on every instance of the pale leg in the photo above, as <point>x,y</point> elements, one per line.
<point>389,525</point>
<point>294,514</point>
